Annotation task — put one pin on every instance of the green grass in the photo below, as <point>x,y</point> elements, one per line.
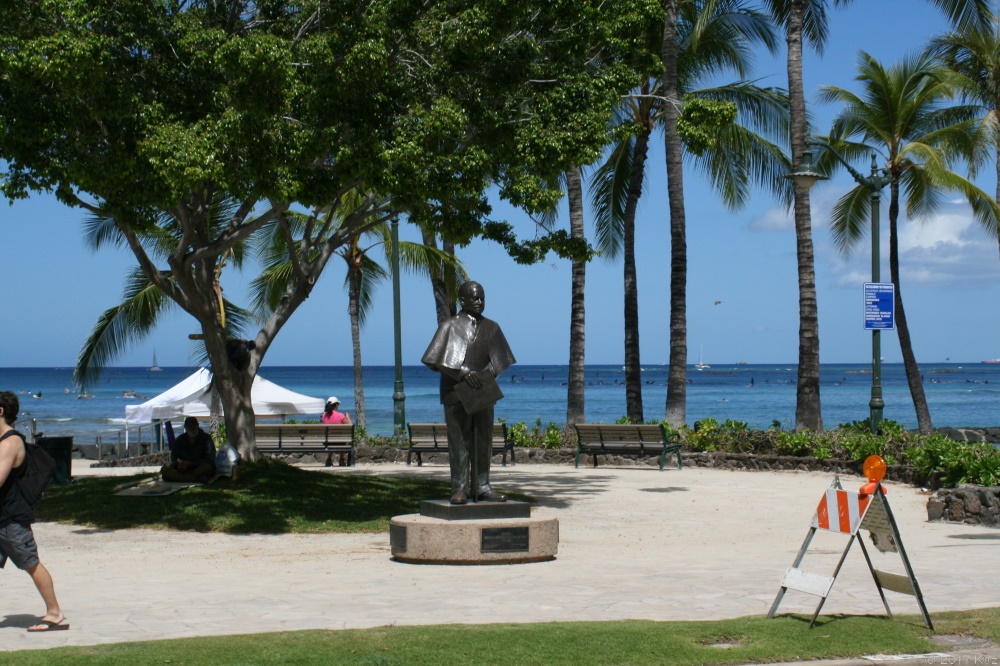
<point>752,640</point>
<point>270,497</point>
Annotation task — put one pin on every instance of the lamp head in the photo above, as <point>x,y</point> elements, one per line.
<point>806,175</point>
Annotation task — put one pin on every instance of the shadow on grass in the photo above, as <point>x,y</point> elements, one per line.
<point>270,497</point>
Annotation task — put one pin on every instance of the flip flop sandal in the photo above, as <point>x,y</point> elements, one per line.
<point>48,625</point>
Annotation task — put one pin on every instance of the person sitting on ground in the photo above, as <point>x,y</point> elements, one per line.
<point>334,417</point>
<point>192,457</point>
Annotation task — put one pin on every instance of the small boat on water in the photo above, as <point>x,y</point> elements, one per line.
<point>701,365</point>
<point>154,367</point>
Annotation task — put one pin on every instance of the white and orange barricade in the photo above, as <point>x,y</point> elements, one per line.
<point>847,512</point>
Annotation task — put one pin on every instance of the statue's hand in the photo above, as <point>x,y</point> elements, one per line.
<point>473,380</point>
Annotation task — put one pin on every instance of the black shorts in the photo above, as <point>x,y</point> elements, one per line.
<point>18,543</point>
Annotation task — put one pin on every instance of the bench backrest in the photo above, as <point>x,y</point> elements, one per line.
<point>292,434</point>
<point>619,433</point>
<point>437,433</point>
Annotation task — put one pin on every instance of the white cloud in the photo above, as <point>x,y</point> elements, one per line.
<point>773,219</point>
<point>945,229</point>
<point>947,248</point>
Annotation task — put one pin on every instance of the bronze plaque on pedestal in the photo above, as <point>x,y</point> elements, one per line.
<point>504,540</point>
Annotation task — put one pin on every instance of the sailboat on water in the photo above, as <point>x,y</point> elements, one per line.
<point>701,365</point>
<point>154,367</point>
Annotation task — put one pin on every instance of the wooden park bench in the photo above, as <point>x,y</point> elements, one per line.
<point>288,438</point>
<point>433,438</point>
<point>625,438</point>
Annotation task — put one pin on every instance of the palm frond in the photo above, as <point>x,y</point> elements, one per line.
<point>372,274</point>
<point>762,163</point>
<point>609,196</point>
<point>850,218</point>
<point>966,13</point>
<point>119,327</point>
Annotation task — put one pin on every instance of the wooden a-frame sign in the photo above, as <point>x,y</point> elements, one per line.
<point>848,512</point>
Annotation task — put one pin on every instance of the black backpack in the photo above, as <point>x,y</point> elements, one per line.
<point>36,472</point>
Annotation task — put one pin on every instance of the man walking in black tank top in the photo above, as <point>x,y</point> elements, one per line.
<point>17,541</point>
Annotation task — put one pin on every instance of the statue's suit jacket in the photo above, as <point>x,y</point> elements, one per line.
<point>462,340</point>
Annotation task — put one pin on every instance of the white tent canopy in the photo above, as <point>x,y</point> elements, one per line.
<point>193,397</point>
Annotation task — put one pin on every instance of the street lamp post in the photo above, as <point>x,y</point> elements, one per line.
<point>398,395</point>
<point>874,183</point>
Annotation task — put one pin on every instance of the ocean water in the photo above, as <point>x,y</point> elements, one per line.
<point>958,394</point>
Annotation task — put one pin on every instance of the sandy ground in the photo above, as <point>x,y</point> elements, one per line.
<point>634,543</point>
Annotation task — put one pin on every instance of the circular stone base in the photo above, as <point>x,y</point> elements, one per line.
<point>420,539</point>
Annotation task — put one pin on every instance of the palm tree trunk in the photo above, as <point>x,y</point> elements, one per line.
<point>808,415</point>
<point>577,327</point>
<point>353,300</point>
<point>913,377</point>
<point>633,368</point>
<point>440,277</point>
<point>676,408</point>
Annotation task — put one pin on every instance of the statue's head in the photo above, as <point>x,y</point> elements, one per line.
<point>472,298</point>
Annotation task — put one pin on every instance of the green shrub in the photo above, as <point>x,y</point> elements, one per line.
<point>549,437</point>
<point>704,436</point>
<point>553,437</point>
<point>958,462</point>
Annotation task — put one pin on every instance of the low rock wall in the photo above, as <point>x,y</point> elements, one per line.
<point>989,435</point>
<point>976,505</point>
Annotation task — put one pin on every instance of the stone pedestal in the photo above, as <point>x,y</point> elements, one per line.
<point>475,533</point>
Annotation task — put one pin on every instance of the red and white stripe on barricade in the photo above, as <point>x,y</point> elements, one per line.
<point>840,511</point>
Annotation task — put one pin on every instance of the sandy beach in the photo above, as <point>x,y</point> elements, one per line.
<point>634,543</point>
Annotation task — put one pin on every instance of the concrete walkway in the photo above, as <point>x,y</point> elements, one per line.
<point>634,543</point>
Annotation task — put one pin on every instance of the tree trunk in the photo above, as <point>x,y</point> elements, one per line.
<point>676,407</point>
<point>633,368</point>
<point>577,328</point>
<point>808,414</point>
<point>233,386</point>
<point>353,300</point>
<point>913,377</point>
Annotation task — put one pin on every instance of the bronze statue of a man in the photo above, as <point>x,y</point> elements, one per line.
<point>470,351</point>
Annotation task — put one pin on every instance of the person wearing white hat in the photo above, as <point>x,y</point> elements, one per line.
<point>332,416</point>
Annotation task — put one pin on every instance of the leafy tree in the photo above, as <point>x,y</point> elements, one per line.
<point>143,302</point>
<point>904,115</point>
<point>134,108</point>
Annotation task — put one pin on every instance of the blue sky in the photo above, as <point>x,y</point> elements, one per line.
<point>56,288</point>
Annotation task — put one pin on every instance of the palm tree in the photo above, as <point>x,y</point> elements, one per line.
<point>973,54</point>
<point>902,114</point>
<point>806,19</point>
<point>577,324</point>
<point>711,37</point>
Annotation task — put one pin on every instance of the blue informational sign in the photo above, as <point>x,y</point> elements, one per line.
<point>880,306</point>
